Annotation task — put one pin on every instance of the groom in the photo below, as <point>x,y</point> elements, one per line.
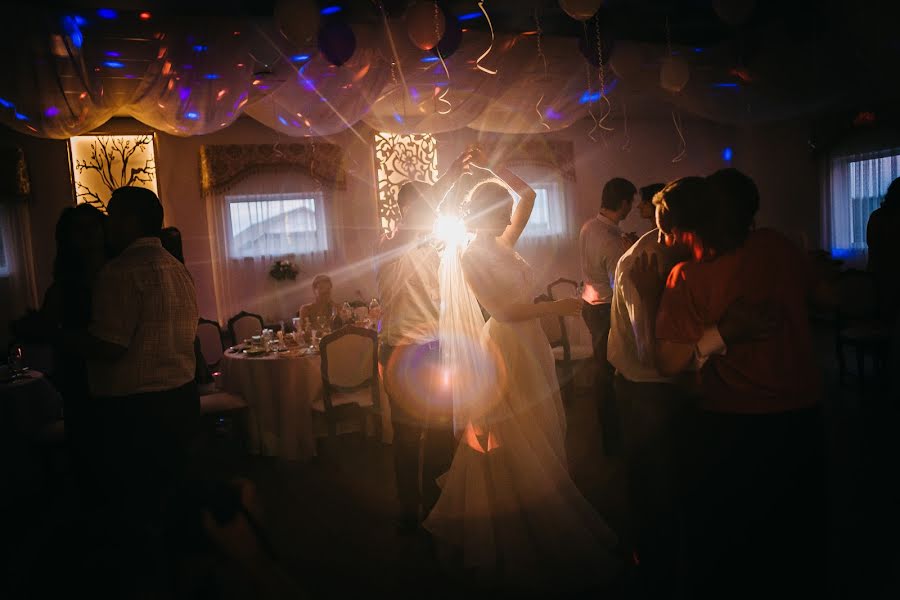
<point>421,405</point>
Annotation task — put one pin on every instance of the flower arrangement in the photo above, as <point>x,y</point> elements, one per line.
<point>283,269</point>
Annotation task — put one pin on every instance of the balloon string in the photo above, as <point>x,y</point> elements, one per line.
<point>590,91</point>
<point>543,57</point>
<point>602,78</point>
<point>390,37</point>
<point>626,146</point>
<point>443,96</point>
<point>682,144</point>
<point>490,46</point>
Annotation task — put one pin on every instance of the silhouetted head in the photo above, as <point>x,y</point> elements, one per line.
<point>646,208</point>
<point>618,196</point>
<point>133,213</point>
<point>684,214</point>
<point>80,235</point>
<point>892,196</point>
<point>171,241</point>
<point>490,208</point>
<point>416,211</point>
<point>737,201</point>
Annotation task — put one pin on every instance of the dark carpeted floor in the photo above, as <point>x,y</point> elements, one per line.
<point>331,520</point>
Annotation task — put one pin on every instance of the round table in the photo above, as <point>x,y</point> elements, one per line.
<point>280,391</point>
<point>27,403</point>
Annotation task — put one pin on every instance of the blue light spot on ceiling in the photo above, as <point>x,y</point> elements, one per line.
<point>112,54</point>
<point>283,120</point>
<point>299,57</point>
<point>330,10</point>
<point>80,21</point>
<point>469,16</point>
<point>398,118</point>
<point>200,48</point>
<point>107,13</point>
<point>113,64</point>
<point>430,59</point>
<point>212,76</point>
<point>725,85</point>
<point>5,103</point>
<point>727,154</point>
<point>51,111</point>
<point>414,94</point>
<point>552,114</point>
<point>698,50</point>
<point>184,93</point>
<point>21,117</point>
<point>192,115</point>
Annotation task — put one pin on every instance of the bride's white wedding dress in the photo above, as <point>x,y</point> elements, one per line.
<point>508,505</point>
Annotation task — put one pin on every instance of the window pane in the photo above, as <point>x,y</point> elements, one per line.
<point>4,267</point>
<point>868,181</point>
<point>275,225</point>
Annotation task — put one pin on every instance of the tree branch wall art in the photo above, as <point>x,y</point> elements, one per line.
<point>102,163</point>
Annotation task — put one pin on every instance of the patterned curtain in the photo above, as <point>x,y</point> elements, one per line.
<point>223,166</point>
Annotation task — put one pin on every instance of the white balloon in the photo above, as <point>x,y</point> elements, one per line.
<point>581,10</point>
<point>674,73</point>
<point>298,20</point>
<point>734,12</point>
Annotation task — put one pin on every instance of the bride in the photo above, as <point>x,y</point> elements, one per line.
<point>508,508</point>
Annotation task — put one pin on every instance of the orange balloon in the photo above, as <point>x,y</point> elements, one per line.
<point>425,24</point>
<point>581,10</point>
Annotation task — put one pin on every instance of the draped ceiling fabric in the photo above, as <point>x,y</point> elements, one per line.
<point>68,74</point>
<point>223,166</point>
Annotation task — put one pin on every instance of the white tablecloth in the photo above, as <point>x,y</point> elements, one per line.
<point>280,392</point>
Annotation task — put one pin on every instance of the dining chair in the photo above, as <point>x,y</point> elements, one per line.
<point>225,414</point>
<point>211,344</point>
<point>568,288</point>
<point>568,358</point>
<point>857,325</point>
<point>244,325</point>
<point>350,379</point>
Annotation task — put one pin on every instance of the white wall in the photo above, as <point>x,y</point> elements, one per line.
<point>776,156</point>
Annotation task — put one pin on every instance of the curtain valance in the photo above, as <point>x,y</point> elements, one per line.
<point>222,166</point>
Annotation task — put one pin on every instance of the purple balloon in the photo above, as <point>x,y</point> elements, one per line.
<point>452,36</point>
<point>337,42</point>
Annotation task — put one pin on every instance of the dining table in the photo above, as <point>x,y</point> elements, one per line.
<point>282,391</point>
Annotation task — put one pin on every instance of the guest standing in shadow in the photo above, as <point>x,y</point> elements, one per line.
<point>141,365</point>
<point>601,244</point>
<point>80,254</point>
<point>882,233</point>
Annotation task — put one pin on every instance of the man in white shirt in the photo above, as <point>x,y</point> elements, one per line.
<point>601,244</point>
<point>407,274</point>
<point>140,351</point>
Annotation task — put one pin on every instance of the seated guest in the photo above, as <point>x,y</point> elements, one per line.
<point>754,508</point>
<point>323,305</point>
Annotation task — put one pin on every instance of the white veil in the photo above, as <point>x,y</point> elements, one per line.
<point>467,367</point>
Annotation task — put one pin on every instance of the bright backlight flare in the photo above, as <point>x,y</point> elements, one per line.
<point>450,230</point>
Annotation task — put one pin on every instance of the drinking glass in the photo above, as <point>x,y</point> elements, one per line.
<point>295,322</point>
<point>16,359</point>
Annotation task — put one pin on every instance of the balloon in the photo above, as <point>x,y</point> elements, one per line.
<point>734,12</point>
<point>674,73</point>
<point>452,37</point>
<point>580,10</point>
<point>425,24</point>
<point>626,60</point>
<point>298,20</point>
<point>337,42</point>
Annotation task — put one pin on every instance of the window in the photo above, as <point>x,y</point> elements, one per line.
<point>858,184</point>
<point>549,218</point>
<point>276,225</point>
